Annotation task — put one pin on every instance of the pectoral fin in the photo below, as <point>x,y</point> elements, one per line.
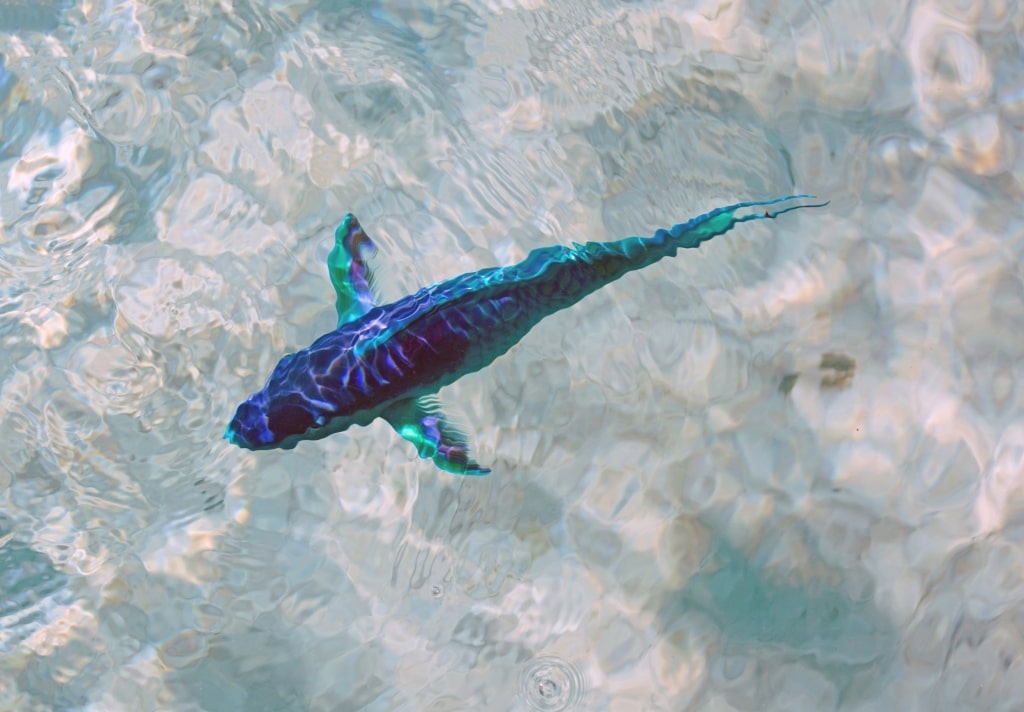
<point>351,274</point>
<point>423,423</point>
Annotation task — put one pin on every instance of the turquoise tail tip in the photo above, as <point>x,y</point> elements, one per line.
<point>771,214</point>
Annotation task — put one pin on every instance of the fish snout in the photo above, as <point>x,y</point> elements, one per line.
<point>248,429</point>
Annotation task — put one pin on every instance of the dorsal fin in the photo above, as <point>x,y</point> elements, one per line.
<point>350,271</point>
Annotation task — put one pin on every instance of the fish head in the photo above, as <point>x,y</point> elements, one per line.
<point>250,428</point>
<point>277,416</point>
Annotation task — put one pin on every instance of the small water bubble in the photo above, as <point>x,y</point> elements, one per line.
<point>547,689</point>
<point>437,591</point>
<point>550,684</point>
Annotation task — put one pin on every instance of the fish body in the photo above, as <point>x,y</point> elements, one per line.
<point>389,360</point>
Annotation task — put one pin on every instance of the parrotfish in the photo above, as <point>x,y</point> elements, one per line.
<point>390,360</point>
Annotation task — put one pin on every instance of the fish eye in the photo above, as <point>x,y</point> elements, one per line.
<point>289,419</point>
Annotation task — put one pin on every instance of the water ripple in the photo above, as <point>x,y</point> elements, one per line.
<point>777,472</point>
<point>549,684</point>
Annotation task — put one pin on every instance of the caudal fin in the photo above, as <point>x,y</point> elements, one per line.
<point>720,220</point>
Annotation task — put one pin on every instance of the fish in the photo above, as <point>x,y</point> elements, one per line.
<point>390,360</point>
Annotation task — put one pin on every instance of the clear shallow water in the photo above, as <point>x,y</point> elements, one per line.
<point>784,472</point>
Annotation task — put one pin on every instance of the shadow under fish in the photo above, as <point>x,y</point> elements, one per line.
<point>388,361</point>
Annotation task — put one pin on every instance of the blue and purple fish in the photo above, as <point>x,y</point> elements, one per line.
<point>388,361</point>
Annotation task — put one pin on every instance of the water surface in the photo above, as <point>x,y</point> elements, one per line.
<point>783,472</point>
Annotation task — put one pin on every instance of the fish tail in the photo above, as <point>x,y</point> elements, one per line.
<point>721,220</point>
<point>613,259</point>
<point>562,275</point>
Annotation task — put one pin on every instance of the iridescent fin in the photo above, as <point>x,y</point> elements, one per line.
<point>423,423</point>
<point>720,220</point>
<point>351,274</point>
